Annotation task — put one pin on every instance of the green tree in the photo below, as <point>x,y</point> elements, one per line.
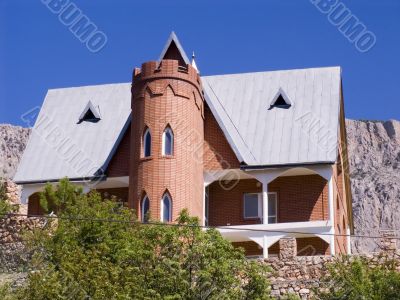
<point>77,257</point>
<point>353,278</point>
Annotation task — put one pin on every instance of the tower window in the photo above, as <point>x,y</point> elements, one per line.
<point>147,143</point>
<point>167,142</point>
<point>145,208</point>
<point>166,208</point>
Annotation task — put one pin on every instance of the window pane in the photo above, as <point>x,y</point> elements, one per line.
<point>145,209</point>
<point>271,205</point>
<point>271,220</point>
<point>166,213</point>
<point>250,205</point>
<point>168,143</point>
<point>147,144</point>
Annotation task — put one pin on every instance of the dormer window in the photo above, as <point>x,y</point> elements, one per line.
<point>281,100</point>
<point>89,114</point>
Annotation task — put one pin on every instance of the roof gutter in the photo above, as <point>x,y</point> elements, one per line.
<point>277,166</point>
<point>76,179</point>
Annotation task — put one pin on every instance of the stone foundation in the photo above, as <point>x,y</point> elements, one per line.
<point>301,274</point>
<point>13,254</point>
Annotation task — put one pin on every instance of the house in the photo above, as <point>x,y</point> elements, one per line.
<point>262,156</point>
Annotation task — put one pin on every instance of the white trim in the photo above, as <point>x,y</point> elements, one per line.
<point>348,240</point>
<point>331,204</point>
<point>332,240</point>
<point>167,130</point>
<point>168,197</point>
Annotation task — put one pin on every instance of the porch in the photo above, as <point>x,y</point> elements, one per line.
<point>296,203</point>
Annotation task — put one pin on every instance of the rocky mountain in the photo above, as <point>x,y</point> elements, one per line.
<point>13,140</point>
<point>374,155</point>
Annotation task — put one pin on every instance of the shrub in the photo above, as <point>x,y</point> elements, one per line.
<point>81,258</point>
<point>353,278</point>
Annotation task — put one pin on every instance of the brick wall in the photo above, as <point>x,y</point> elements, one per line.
<point>119,165</point>
<point>218,154</point>
<point>300,198</point>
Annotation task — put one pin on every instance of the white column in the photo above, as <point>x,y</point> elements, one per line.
<point>265,247</point>
<point>265,201</point>
<point>348,240</point>
<point>332,242</point>
<point>331,205</point>
<point>204,204</point>
<point>331,208</point>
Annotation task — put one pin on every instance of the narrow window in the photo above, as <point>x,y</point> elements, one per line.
<point>145,208</point>
<point>147,143</point>
<point>252,207</point>
<point>272,208</point>
<point>166,208</point>
<point>167,142</point>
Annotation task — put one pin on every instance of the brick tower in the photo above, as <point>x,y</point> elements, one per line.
<point>167,96</point>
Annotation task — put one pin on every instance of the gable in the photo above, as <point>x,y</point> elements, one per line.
<point>174,50</point>
<point>60,147</point>
<point>119,164</point>
<point>259,136</point>
<point>218,153</point>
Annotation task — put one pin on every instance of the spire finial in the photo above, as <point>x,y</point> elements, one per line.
<point>194,62</point>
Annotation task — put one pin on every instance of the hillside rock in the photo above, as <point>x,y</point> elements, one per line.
<point>13,140</point>
<point>374,156</point>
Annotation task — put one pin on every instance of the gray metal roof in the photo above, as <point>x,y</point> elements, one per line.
<point>307,132</point>
<point>60,146</point>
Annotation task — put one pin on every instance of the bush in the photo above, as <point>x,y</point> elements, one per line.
<point>353,278</point>
<point>77,257</point>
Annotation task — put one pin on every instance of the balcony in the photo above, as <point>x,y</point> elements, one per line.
<point>296,201</point>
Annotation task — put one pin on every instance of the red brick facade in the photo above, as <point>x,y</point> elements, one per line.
<point>119,164</point>
<point>300,199</point>
<point>218,153</point>
<point>168,95</point>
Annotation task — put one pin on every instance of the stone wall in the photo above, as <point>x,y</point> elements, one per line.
<point>13,254</point>
<point>301,275</point>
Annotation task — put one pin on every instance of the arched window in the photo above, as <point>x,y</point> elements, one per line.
<point>167,142</point>
<point>166,208</point>
<point>144,209</point>
<point>147,143</point>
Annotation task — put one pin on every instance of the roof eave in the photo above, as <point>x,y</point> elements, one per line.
<point>277,166</point>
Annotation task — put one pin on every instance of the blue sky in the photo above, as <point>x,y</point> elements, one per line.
<point>38,52</point>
